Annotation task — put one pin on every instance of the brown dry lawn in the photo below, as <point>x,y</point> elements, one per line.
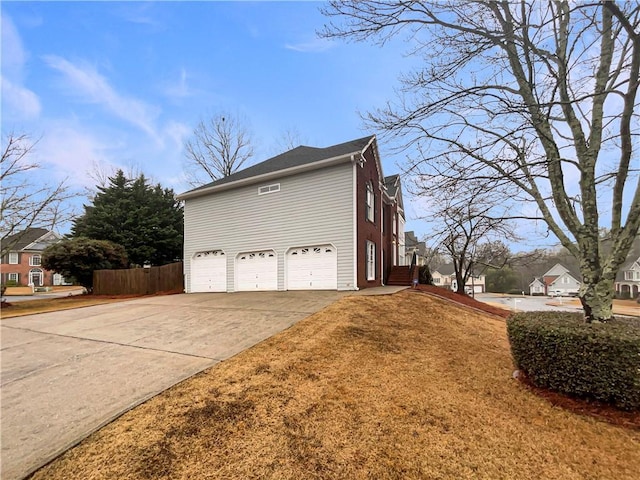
<point>43,305</point>
<point>392,387</point>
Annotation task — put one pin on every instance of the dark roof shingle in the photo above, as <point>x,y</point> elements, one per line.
<point>23,238</point>
<point>299,156</point>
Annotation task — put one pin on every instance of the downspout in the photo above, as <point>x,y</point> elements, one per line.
<point>355,223</point>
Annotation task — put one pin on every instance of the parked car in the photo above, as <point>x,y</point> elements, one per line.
<point>556,293</point>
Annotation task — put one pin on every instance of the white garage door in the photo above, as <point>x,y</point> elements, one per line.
<point>209,272</point>
<point>257,271</point>
<point>312,268</point>
<point>477,289</point>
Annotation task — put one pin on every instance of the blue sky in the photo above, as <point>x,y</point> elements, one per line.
<point>123,84</point>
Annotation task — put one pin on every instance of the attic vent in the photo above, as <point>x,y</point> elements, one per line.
<point>269,189</point>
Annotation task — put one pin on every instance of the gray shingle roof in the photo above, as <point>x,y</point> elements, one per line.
<point>391,182</point>
<point>24,238</point>
<point>299,156</point>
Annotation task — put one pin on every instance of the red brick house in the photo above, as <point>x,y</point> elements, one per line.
<point>23,262</point>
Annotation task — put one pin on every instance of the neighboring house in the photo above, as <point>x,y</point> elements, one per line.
<point>22,263</point>
<point>628,279</point>
<point>309,218</point>
<point>411,246</point>
<point>445,276</point>
<point>537,287</point>
<point>561,280</point>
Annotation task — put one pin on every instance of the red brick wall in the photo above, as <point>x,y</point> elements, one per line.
<point>368,230</point>
<point>23,268</point>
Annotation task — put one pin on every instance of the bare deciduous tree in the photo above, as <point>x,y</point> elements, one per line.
<point>469,234</point>
<point>25,201</point>
<point>219,147</point>
<point>537,99</point>
<point>289,139</point>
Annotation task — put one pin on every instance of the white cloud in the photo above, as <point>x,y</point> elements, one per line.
<point>19,102</point>
<point>177,132</point>
<point>72,152</point>
<point>314,46</point>
<point>13,54</point>
<point>86,82</point>
<point>179,89</point>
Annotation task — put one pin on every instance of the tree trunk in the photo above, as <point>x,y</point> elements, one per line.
<point>597,300</point>
<point>460,282</point>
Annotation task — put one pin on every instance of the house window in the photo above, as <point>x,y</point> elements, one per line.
<point>436,279</point>
<point>371,261</point>
<point>370,202</point>
<point>12,277</point>
<point>35,260</point>
<point>269,189</point>
<point>395,224</point>
<point>565,280</point>
<point>13,258</point>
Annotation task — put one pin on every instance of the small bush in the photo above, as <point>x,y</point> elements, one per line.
<point>11,283</point>
<point>424,275</point>
<point>559,351</point>
<point>623,295</point>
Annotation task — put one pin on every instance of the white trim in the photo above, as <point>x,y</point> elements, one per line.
<point>370,269</point>
<point>370,203</point>
<point>39,272</point>
<point>39,264</point>
<point>42,238</point>
<point>17,257</point>
<point>9,279</point>
<point>355,227</point>
<point>267,176</point>
<point>273,188</point>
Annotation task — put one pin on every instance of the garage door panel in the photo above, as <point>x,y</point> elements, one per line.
<point>312,268</point>
<point>209,272</point>
<point>257,271</point>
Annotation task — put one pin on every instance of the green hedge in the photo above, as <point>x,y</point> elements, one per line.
<point>559,351</point>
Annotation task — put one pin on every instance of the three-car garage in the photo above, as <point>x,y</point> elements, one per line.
<point>312,267</point>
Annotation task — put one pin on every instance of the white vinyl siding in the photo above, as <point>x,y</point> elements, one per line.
<point>312,208</point>
<point>13,258</point>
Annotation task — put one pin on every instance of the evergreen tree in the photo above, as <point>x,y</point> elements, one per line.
<point>146,220</point>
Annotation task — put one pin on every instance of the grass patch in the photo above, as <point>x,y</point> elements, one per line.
<point>44,305</point>
<point>392,387</point>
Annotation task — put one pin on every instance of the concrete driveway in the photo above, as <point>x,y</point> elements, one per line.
<point>66,374</point>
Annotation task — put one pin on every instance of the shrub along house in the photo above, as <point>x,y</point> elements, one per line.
<point>21,265</point>
<point>309,218</point>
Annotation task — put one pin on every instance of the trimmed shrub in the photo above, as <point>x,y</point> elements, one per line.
<point>559,351</point>
<point>424,275</point>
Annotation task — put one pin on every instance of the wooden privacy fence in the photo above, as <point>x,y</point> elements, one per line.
<point>139,281</point>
